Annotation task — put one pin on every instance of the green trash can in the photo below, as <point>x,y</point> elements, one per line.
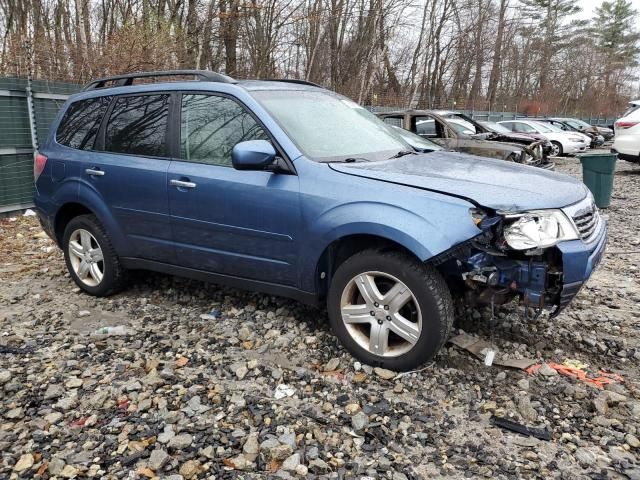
<point>598,170</point>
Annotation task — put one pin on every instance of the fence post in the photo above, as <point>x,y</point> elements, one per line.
<point>32,116</point>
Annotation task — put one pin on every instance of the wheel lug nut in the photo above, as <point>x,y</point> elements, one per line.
<point>376,304</point>
<point>372,313</point>
<point>379,322</point>
<point>388,317</point>
<point>386,307</point>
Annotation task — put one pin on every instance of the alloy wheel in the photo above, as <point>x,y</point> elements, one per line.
<point>555,149</point>
<point>381,314</point>
<point>86,258</point>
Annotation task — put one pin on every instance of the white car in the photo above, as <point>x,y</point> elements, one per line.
<point>562,142</point>
<point>627,139</point>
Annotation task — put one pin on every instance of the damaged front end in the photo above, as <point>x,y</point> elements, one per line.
<point>541,257</point>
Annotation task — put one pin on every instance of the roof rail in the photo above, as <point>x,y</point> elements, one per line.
<point>291,80</point>
<point>127,79</point>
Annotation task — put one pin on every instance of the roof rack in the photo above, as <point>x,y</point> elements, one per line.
<point>126,80</point>
<point>291,80</point>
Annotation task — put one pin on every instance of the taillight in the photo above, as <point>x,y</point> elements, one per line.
<point>38,165</point>
<point>626,124</point>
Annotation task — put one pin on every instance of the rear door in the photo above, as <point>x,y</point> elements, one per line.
<point>129,172</point>
<point>239,223</point>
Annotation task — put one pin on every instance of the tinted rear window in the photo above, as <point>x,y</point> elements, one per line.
<point>80,124</point>
<point>138,126</point>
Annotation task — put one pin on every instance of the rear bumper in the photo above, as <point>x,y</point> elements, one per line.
<point>46,216</point>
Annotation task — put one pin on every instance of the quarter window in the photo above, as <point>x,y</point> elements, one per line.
<point>80,124</point>
<point>138,126</point>
<point>210,126</point>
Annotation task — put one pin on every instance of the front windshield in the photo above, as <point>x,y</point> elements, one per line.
<point>542,127</point>
<point>553,128</point>
<point>327,127</point>
<point>496,127</point>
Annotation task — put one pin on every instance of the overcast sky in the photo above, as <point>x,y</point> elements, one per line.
<point>588,7</point>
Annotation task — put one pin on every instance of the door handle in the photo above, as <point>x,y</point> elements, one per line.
<point>182,184</point>
<point>94,172</point>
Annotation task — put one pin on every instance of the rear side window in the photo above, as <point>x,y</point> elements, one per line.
<point>630,110</point>
<point>81,121</point>
<point>138,126</point>
<point>210,126</point>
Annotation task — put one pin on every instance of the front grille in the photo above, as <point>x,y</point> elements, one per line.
<point>586,221</point>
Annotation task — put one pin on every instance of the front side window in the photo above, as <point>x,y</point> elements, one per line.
<point>80,124</point>
<point>210,126</point>
<point>328,127</point>
<point>523,128</point>
<point>138,126</point>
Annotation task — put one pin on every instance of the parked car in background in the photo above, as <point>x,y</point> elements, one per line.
<point>504,132</point>
<point>595,139</point>
<point>456,134</point>
<point>606,132</point>
<point>418,143</point>
<point>579,125</point>
<point>563,143</point>
<point>294,190</point>
<point>627,138</point>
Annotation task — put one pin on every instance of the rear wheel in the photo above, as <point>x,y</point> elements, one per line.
<point>556,149</point>
<point>389,309</point>
<point>90,257</point>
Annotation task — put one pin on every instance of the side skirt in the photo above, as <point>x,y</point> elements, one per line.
<point>308,298</point>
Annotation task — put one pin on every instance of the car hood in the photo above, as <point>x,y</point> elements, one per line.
<point>495,184</point>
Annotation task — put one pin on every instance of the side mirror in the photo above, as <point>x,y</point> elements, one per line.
<point>253,155</point>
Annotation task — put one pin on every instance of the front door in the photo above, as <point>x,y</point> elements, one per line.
<point>227,221</point>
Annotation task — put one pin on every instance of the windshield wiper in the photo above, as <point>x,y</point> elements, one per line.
<point>350,160</point>
<point>402,153</point>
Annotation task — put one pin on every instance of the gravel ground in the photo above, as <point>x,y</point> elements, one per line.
<point>200,381</point>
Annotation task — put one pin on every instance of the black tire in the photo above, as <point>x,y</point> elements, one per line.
<point>558,145</point>
<point>428,288</point>
<point>114,274</point>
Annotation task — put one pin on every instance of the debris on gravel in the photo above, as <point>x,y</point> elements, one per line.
<point>179,379</point>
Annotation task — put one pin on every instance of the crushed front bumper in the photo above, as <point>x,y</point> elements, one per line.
<point>579,260</point>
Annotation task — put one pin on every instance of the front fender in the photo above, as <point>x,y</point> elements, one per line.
<point>421,236</point>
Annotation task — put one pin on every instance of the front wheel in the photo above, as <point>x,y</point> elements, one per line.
<point>389,309</point>
<point>556,149</point>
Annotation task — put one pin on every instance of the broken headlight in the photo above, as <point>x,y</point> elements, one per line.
<point>538,229</point>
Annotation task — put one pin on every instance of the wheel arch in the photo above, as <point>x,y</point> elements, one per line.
<point>340,249</point>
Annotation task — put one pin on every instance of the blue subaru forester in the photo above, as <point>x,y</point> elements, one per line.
<point>290,189</point>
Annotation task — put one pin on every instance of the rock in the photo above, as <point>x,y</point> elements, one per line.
<point>25,462</point>
<point>180,442</point>
<point>632,440</point>
<point>166,435</point>
<point>547,371</point>
<point>190,469</point>
<point>240,462</point>
<point>332,365</point>
<point>53,391</point>
<point>384,373</point>
<point>56,465</point>
<point>585,457</point>
<point>239,369</point>
<point>14,413</point>
<point>158,459</point>
<point>251,447</point>
<point>501,376</point>
<point>523,384</point>
<point>5,376</point>
<point>526,410</point>
<point>359,421</point>
<point>288,439</point>
<point>302,470</point>
<point>69,471</point>
<point>318,465</point>
<point>291,463</point>
<point>280,452</point>
<point>73,382</point>
<point>53,417</point>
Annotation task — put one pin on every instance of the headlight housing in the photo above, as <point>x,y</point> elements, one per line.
<point>538,229</point>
